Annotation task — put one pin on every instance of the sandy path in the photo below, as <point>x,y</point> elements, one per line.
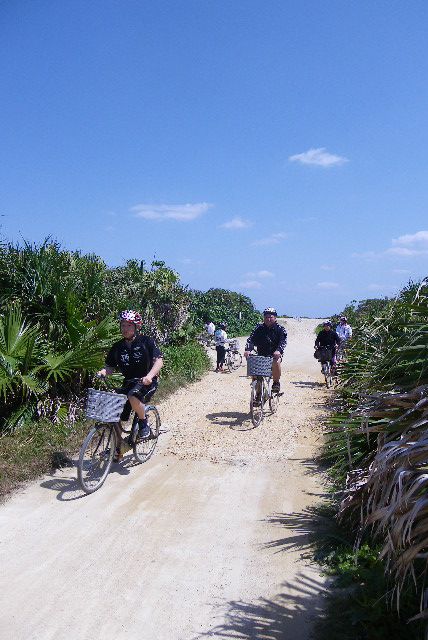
<point>204,540</point>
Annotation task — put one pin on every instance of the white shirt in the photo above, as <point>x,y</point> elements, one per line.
<point>211,328</point>
<point>220,337</point>
<point>344,331</point>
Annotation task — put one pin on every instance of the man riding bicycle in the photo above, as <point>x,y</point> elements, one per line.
<point>139,360</point>
<point>270,338</point>
<point>328,339</point>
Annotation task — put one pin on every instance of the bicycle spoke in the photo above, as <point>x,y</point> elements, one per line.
<point>144,447</point>
<point>96,456</point>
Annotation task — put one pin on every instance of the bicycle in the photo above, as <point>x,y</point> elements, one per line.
<point>325,356</point>
<point>233,359</point>
<point>99,447</point>
<point>260,368</point>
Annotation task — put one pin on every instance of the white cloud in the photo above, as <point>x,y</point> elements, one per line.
<point>319,157</point>
<point>327,285</point>
<point>250,284</point>
<point>401,271</point>
<point>419,239</point>
<point>275,238</point>
<point>404,251</point>
<point>411,244</point>
<point>260,274</point>
<point>327,267</point>
<point>179,212</point>
<point>236,223</point>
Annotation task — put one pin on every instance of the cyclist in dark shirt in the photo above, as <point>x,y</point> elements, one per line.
<point>270,338</point>
<point>139,360</point>
<point>328,338</point>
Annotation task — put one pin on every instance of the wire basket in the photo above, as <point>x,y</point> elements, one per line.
<point>259,366</point>
<point>104,405</point>
<point>234,344</point>
<point>323,354</point>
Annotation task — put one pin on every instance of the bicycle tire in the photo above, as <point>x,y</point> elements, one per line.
<point>144,447</point>
<point>95,457</point>
<point>236,360</point>
<point>257,405</point>
<point>273,401</point>
<point>327,374</point>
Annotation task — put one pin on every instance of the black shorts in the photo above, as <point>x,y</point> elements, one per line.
<point>267,353</point>
<point>137,389</point>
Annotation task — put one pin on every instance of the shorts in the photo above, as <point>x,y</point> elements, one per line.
<point>137,389</point>
<point>268,354</point>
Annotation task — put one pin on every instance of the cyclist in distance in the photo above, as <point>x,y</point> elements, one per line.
<point>139,360</point>
<point>327,337</point>
<point>220,336</point>
<point>343,329</point>
<point>270,338</point>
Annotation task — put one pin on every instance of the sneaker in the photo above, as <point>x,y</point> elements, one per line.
<point>144,430</point>
<point>276,387</point>
<point>118,455</point>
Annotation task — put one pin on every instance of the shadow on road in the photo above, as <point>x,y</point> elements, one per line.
<point>68,487</point>
<point>307,383</point>
<point>232,419</point>
<point>307,526</point>
<point>287,616</point>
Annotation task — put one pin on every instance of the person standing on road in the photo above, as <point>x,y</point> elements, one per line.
<point>210,328</point>
<point>270,338</point>
<point>220,336</point>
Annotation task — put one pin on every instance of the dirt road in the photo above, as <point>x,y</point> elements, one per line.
<point>207,539</point>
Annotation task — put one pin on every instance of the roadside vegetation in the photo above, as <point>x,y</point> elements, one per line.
<point>58,317</point>
<point>376,453</point>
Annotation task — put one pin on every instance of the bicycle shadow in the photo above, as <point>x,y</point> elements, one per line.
<point>68,487</point>
<point>307,383</point>
<point>233,419</point>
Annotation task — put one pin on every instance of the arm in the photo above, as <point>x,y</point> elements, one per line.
<point>106,371</point>
<point>282,340</point>
<point>250,342</point>
<point>156,367</point>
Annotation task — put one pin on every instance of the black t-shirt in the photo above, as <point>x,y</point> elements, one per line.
<point>327,339</point>
<point>135,359</point>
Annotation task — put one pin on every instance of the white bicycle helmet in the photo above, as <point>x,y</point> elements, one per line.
<point>270,311</point>
<point>131,316</point>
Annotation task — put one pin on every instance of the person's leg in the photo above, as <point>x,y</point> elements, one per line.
<point>218,358</point>
<point>276,372</point>
<point>222,353</point>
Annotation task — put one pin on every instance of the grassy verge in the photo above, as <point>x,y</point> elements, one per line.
<point>361,603</point>
<point>42,446</point>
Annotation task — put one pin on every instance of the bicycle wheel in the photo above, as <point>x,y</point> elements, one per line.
<point>273,400</point>
<point>256,402</point>
<point>144,447</point>
<point>327,374</point>
<point>236,359</point>
<point>96,456</point>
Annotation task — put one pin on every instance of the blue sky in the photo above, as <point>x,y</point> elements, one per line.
<point>276,148</point>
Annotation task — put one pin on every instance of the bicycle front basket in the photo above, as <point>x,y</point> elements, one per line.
<point>234,344</point>
<point>104,405</point>
<point>259,366</point>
